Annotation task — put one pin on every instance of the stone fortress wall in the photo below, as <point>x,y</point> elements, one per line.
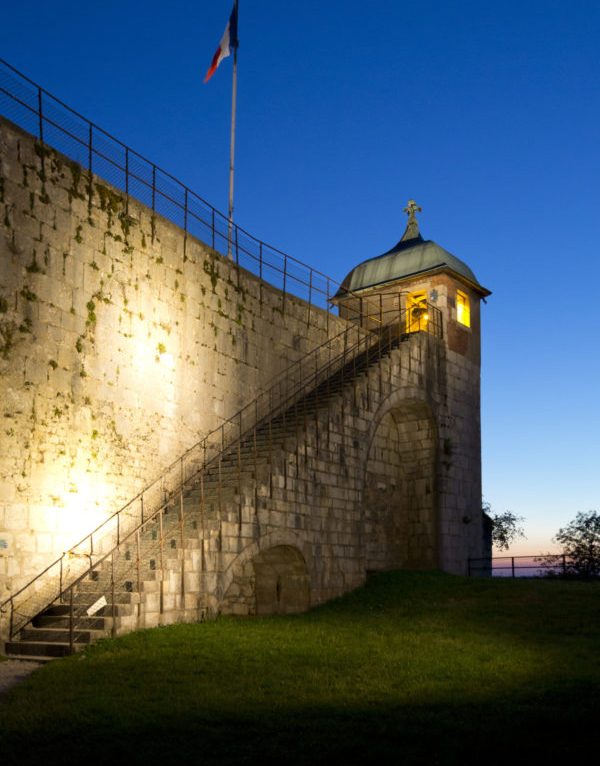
<point>121,344</point>
<point>123,341</point>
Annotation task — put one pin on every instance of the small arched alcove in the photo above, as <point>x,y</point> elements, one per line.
<point>399,496</point>
<point>281,583</point>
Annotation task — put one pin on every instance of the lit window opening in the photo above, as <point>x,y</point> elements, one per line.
<point>417,315</point>
<point>463,310</point>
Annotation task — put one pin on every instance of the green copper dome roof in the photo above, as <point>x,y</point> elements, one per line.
<point>413,255</point>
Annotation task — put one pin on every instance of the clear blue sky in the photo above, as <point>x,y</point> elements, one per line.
<point>486,113</point>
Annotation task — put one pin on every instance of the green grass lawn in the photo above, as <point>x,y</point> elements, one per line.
<point>413,668</point>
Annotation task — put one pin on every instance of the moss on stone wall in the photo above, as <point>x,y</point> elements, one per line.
<point>8,329</point>
<point>28,294</point>
<point>34,266</point>
<point>212,270</point>
<point>74,190</point>
<point>111,202</point>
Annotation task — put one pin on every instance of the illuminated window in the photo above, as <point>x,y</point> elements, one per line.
<point>416,312</point>
<point>463,310</point>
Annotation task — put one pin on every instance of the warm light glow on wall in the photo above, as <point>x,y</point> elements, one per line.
<point>82,512</point>
<point>463,309</point>
<point>142,356</point>
<point>416,312</point>
<point>154,369</point>
<point>80,503</point>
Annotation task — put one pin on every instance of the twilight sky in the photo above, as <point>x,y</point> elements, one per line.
<point>486,113</point>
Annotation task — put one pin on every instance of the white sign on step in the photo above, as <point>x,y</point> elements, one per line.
<point>97,606</point>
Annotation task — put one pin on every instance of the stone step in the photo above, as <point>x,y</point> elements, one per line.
<point>262,454</point>
<point>121,597</point>
<point>265,447</point>
<point>60,635</point>
<point>98,622</point>
<point>36,649</point>
<point>104,613</point>
<point>82,621</point>
<point>126,577</point>
<point>31,658</point>
<point>120,610</point>
<point>172,558</point>
<point>126,580</point>
<point>56,609</point>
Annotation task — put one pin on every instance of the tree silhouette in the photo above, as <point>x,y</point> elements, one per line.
<point>506,527</point>
<point>580,541</point>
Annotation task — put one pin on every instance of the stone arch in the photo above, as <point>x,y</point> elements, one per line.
<point>281,583</point>
<point>400,513</point>
<point>270,576</point>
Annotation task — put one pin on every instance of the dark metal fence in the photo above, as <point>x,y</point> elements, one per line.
<point>541,565</point>
<point>54,123</point>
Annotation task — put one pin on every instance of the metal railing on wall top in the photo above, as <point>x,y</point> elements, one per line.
<point>55,124</point>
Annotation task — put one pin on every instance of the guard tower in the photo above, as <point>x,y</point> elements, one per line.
<point>416,284</point>
<point>412,274</point>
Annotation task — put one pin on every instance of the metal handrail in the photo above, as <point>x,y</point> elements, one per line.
<point>289,386</point>
<point>88,539</point>
<point>35,109</point>
<point>273,265</point>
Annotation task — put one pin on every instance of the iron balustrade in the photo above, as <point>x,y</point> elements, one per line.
<point>336,356</point>
<point>55,124</point>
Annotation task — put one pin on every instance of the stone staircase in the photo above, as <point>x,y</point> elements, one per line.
<point>151,567</point>
<point>122,582</point>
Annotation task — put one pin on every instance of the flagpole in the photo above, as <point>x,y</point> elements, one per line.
<point>232,145</point>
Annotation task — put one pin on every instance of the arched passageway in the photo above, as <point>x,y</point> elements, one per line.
<point>281,584</point>
<point>399,497</point>
<point>273,581</point>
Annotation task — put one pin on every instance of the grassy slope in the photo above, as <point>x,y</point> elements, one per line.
<point>413,668</point>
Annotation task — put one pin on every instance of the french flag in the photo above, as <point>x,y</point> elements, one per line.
<point>229,41</point>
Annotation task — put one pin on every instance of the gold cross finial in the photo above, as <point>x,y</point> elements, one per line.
<point>412,227</point>
<point>412,208</point>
